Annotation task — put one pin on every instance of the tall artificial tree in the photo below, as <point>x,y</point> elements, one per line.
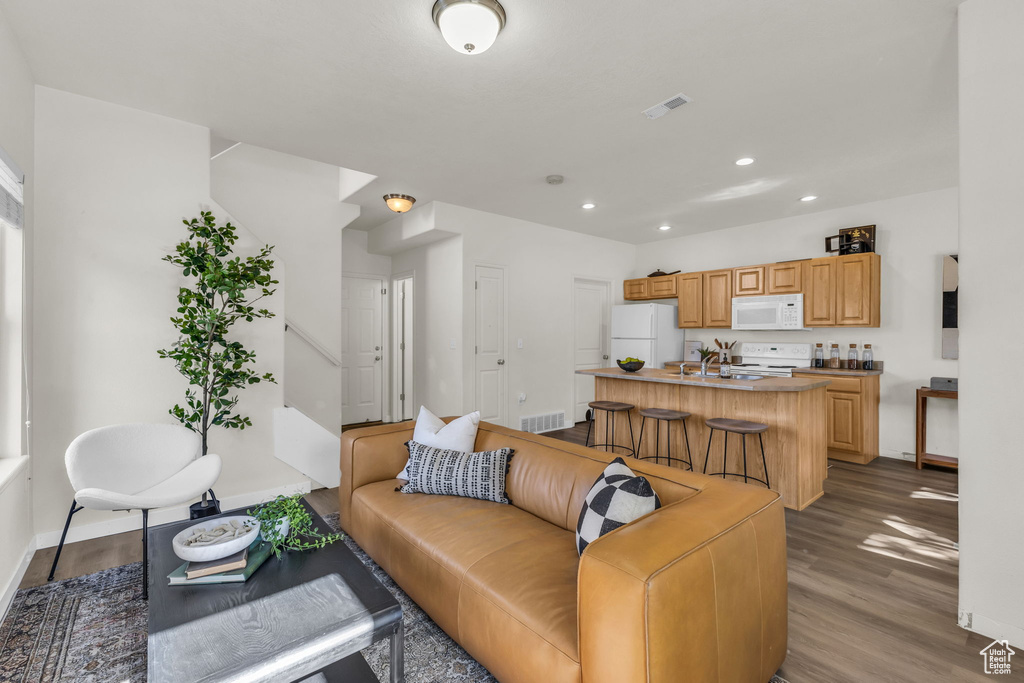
<point>222,290</point>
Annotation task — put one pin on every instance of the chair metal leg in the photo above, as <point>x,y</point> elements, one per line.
<point>640,446</point>
<point>707,454</point>
<point>590,425</point>
<point>725,455</point>
<point>763,460</point>
<point>145,554</point>
<point>74,508</point>
<point>686,437</point>
<point>743,438</point>
<point>609,417</point>
<point>632,441</point>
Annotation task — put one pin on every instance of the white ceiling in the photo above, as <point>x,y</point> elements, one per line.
<point>850,100</point>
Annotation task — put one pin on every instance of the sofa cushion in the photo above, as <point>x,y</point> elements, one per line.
<point>441,471</point>
<point>617,498</point>
<point>457,435</point>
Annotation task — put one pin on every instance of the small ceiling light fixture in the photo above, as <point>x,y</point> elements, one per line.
<point>469,26</point>
<point>809,198</point>
<point>665,227</point>
<point>399,203</point>
<point>745,161</point>
<point>589,205</point>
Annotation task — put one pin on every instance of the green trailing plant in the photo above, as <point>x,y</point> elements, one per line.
<point>222,290</point>
<point>302,535</point>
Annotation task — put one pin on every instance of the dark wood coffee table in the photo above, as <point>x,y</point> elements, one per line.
<point>305,613</point>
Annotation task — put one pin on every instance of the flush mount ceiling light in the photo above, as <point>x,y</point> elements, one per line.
<point>589,205</point>
<point>809,198</point>
<point>745,161</point>
<point>399,203</point>
<point>469,26</point>
<point>665,227</point>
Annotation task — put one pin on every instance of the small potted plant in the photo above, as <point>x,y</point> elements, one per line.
<point>287,525</point>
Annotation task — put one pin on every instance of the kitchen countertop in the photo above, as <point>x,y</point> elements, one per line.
<point>813,371</point>
<point>670,377</point>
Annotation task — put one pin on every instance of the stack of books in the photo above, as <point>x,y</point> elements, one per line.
<point>231,569</point>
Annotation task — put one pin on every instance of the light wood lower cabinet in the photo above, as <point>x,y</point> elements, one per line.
<point>851,416</point>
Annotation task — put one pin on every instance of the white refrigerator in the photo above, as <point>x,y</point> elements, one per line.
<point>648,332</point>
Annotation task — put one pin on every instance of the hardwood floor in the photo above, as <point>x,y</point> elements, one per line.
<point>872,575</point>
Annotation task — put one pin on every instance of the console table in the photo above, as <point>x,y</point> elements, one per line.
<point>923,457</point>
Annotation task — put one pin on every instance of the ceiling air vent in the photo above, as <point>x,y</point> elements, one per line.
<point>659,110</point>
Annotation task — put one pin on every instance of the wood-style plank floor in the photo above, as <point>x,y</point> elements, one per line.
<point>872,575</point>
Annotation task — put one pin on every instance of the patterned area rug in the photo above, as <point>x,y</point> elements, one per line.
<point>92,629</point>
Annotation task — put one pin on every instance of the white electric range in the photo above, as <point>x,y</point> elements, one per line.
<point>773,360</point>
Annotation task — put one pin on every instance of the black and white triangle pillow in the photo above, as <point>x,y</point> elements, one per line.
<point>617,498</point>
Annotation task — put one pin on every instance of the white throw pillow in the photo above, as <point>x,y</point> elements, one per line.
<point>457,435</point>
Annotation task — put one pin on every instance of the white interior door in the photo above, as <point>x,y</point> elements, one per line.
<point>490,344</point>
<point>590,337</point>
<point>361,354</point>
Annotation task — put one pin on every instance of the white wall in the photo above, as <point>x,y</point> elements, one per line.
<point>17,138</point>
<point>356,258</point>
<point>437,323</point>
<point>913,234</point>
<point>540,264</point>
<point>112,187</point>
<point>991,329</point>
<point>293,204</point>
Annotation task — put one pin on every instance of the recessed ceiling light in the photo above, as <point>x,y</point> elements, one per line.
<point>808,198</point>
<point>665,227</point>
<point>745,161</point>
<point>588,205</point>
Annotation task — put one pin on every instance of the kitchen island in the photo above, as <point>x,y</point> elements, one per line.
<point>793,408</point>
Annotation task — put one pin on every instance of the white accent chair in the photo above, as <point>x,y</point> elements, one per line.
<point>137,467</point>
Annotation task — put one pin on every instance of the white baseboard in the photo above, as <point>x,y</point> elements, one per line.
<point>990,628</point>
<point>120,522</point>
<point>7,597</point>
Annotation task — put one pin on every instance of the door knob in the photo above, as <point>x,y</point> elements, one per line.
<point>376,348</point>
<point>501,361</point>
<point>376,357</point>
<point>605,356</point>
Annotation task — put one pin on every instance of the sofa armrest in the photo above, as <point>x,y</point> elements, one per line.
<point>695,591</point>
<point>367,455</point>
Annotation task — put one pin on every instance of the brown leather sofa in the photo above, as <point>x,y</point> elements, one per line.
<point>695,591</point>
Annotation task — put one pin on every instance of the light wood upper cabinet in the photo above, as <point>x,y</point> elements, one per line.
<point>718,298</point>
<point>819,280</point>
<point>748,281</point>
<point>663,287</point>
<point>785,278</point>
<point>690,288</point>
<point>635,290</point>
<point>857,290</point>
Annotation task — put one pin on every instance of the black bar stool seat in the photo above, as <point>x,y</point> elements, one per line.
<point>667,416</point>
<point>742,427</point>
<point>611,407</point>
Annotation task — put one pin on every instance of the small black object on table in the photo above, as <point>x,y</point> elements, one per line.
<point>260,602</point>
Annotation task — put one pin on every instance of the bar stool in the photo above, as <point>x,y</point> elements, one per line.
<point>611,407</point>
<point>742,427</point>
<point>660,415</point>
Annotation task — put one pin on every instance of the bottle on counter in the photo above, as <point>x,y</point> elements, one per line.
<point>833,356</point>
<point>851,358</point>
<point>725,368</point>
<point>869,358</point>
<point>819,356</point>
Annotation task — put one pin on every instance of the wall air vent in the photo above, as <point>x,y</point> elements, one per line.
<point>659,110</point>
<point>536,424</point>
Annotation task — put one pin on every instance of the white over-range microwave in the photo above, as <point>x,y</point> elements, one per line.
<point>780,312</point>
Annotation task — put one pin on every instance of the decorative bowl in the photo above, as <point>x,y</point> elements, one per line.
<point>632,366</point>
<point>214,551</point>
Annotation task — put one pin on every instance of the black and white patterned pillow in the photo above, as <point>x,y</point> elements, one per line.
<point>454,473</point>
<point>616,499</point>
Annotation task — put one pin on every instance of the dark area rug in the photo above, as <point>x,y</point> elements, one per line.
<point>93,629</point>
